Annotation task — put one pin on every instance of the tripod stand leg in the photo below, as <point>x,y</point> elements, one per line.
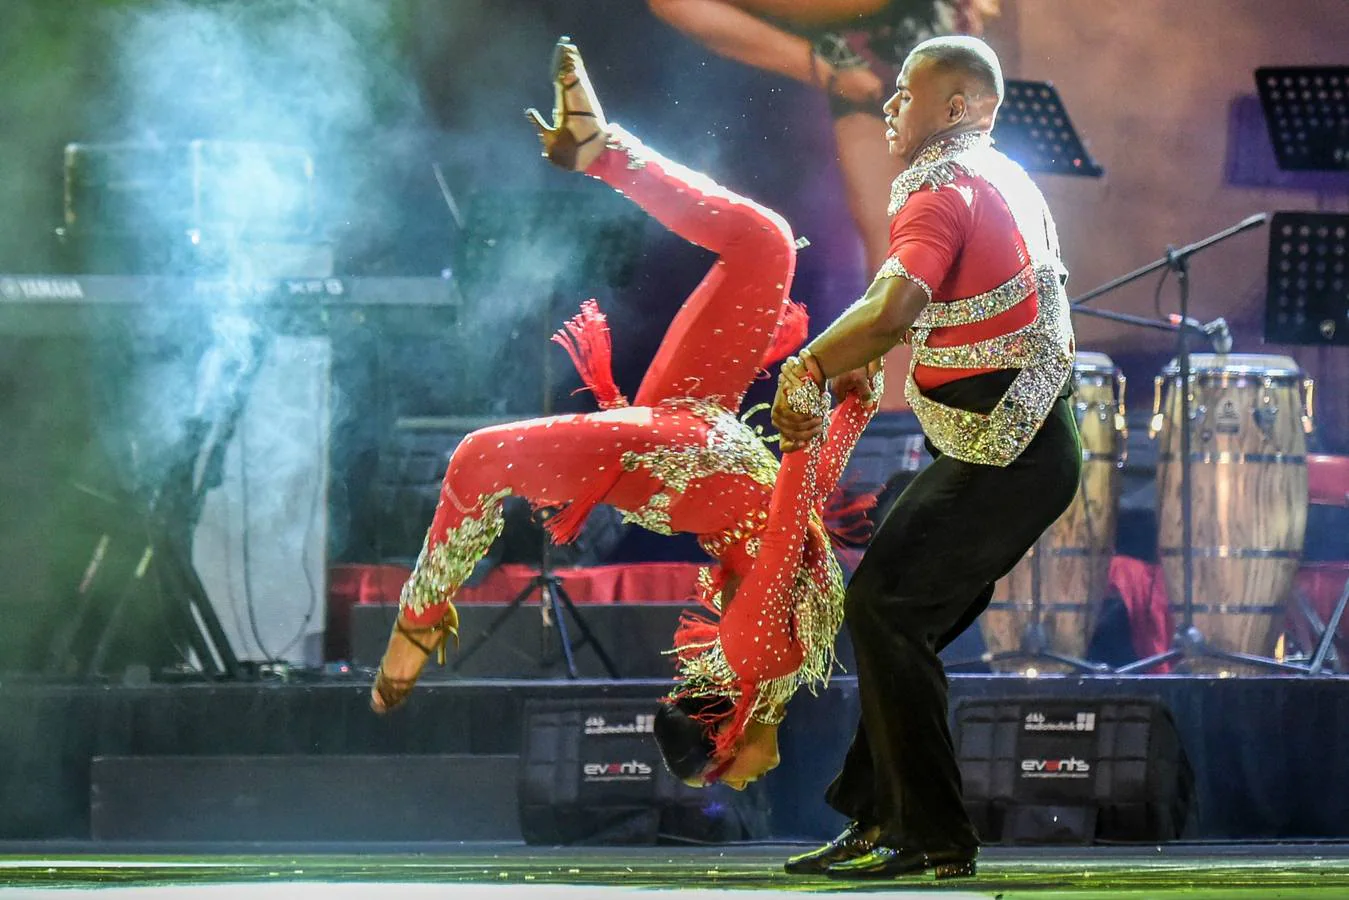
<point>467,653</point>
<point>1074,662</point>
<point>587,636</point>
<point>1259,661</point>
<point>1328,637</point>
<point>103,647</point>
<point>175,558</point>
<point>1150,662</point>
<point>551,592</point>
<point>983,660</point>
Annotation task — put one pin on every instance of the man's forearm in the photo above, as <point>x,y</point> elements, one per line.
<point>869,328</point>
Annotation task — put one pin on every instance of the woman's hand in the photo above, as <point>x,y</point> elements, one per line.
<point>858,85</point>
<point>858,381</point>
<point>790,416</point>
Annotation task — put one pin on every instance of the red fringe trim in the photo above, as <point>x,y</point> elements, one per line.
<point>845,518</point>
<point>730,735</point>
<point>693,634</point>
<point>789,335</point>
<point>564,527</point>
<point>586,339</point>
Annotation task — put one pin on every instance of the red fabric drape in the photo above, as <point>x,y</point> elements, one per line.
<point>1140,585</point>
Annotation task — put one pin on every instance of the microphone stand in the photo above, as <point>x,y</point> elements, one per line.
<point>1188,642</point>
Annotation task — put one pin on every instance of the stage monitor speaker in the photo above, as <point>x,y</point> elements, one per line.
<point>1073,771</point>
<point>590,773</point>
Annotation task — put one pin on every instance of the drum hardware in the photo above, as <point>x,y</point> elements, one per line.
<point>1308,420</point>
<point>1265,416</point>
<point>1324,650</point>
<point>1189,643</point>
<point>1249,498</point>
<point>1328,485</point>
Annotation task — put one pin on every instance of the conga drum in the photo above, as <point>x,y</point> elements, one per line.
<point>1249,417</point>
<point>1074,554</point>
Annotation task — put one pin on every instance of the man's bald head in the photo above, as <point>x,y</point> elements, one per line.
<point>967,57</point>
<point>948,86</point>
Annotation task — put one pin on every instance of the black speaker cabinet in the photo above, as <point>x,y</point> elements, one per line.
<point>1066,771</point>
<point>590,773</point>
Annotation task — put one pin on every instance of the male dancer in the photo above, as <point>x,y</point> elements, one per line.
<point>974,280</point>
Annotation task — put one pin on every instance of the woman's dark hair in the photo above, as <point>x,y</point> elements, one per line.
<point>684,734</point>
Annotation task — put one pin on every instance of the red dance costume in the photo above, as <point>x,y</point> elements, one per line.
<point>678,459</point>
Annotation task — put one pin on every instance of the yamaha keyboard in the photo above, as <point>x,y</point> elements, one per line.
<point>56,304</point>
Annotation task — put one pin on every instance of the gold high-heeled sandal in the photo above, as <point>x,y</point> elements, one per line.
<point>394,691</point>
<point>560,146</point>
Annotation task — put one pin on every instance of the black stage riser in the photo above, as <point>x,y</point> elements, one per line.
<point>1268,752</point>
<point>304,798</point>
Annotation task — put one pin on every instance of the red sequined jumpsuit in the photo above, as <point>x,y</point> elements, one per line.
<point>678,459</point>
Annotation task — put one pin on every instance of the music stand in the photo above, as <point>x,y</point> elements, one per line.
<point>1034,129</point>
<point>1308,282</point>
<point>1307,115</point>
<point>500,229</point>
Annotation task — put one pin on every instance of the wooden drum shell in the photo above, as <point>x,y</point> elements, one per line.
<point>1249,496</point>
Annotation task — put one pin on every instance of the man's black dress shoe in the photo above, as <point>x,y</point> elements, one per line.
<point>892,862</point>
<point>848,845</point>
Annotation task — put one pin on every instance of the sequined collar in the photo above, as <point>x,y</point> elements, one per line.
<point>943,149</point>
<point>939,163</point>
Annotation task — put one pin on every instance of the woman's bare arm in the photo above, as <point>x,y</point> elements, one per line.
<point>730,31</point>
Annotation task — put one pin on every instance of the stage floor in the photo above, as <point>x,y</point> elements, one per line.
<point>507,871</point>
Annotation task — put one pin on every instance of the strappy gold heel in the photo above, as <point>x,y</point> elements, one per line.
<point>561,146</point>
<point>394,691</point>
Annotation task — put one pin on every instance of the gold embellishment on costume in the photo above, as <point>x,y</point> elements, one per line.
<point>817,609</point>
<point>808,399</point>
<point>654,514</point>
<point>440,570</point>
<point>804,399</point>
<point>708,591</point>
<point>893,268</point>
<point>758,429</point>
<point>620,140</point>
<point>731,449</point>
<point>817,606</point>
<point>706,674</point>
<point>935,166</point>
<point>949,313</point>
<point>717,544</point>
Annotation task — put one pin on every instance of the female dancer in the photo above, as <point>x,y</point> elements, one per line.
<point>850,49</point>
<point>676,460</point>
